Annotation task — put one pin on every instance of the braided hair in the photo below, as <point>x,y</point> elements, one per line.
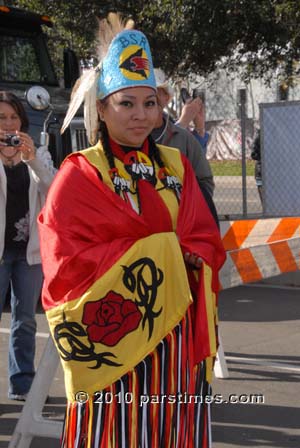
<point>104,137</point>
<point>154,154</point>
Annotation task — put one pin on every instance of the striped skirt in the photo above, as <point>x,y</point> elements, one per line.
<point>161,403</point>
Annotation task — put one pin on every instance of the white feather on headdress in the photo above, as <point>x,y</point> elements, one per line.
<point>91,120</point>
<point>85,88</point>
<point>85,85</point>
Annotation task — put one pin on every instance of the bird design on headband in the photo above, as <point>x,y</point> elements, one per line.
<point>136,63</point>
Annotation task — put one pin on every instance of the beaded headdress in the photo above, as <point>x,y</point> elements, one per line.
<point>125,61</point>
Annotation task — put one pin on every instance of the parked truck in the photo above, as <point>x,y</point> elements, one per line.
<point>25,62</point>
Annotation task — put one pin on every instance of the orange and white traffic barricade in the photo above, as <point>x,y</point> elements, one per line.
<point>258,249</point>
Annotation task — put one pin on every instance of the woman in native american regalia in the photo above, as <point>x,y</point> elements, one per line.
<point>131,256</point>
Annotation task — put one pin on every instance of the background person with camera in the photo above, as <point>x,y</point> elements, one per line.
<point>193,111</point>
<point>174,135</point>
<point>25,176</point>
<point>169,134</point>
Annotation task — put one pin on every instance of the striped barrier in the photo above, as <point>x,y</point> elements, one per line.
<point>258,249</point>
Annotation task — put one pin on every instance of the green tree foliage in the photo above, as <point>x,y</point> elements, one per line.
<point>190,36</point>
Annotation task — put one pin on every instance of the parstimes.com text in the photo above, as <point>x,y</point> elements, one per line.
<point>217,399</point>
<point>184,398</point>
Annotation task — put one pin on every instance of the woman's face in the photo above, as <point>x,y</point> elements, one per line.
<point>9,119</point>
<point>129,115</point>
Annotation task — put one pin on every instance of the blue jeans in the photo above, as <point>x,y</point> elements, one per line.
<point>26,282</point>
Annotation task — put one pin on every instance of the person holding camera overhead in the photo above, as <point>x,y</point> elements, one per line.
<point>173,134</point>
<point>25,176</point>
<point>193,111</point>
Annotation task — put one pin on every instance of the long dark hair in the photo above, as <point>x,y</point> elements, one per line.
<point>153,153</point>
<point>15,103</point>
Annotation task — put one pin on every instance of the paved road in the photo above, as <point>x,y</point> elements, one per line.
<point>260,330</point>
<point>261,337</point>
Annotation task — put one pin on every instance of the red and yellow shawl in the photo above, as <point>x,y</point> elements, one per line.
<point>115,281</point>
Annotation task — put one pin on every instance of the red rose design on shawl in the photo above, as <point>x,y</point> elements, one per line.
<point>110,318</point>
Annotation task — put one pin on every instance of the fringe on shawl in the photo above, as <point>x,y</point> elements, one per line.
<point>161,403</point>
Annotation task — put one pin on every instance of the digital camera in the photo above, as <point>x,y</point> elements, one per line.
<point>184,94</point>
<point>196,93</point>
<point>12,140</point>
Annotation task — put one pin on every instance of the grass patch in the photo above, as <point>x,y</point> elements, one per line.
<point>231,167</point>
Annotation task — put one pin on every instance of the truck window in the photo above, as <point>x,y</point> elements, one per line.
<point>18,60</point>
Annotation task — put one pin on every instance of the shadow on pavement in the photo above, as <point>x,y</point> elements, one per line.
<point>9,409</point>
<point>258,375</point>
<point>268,357</point>
<point>245,425</point>
<point>245,436</point>
<point>244,304</point>
<point>11,413</point>
<point>257,415</point>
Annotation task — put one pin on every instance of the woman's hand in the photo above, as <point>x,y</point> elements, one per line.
<point>199,119</point>
<point>193,259</point>
<point>189,111</point>
<point>26,148</point>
